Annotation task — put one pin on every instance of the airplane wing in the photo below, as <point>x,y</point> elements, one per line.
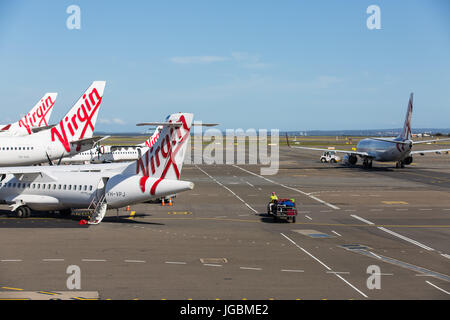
<point>25,173</point>
<point>422,152</point>
<point>429,141</point>
<point>362,154</point>
<point>93,141</point>
<point>37,129</point>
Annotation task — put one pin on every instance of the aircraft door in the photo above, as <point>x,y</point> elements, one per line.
<point>101,188</point>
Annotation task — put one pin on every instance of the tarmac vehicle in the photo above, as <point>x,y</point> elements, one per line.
<point>329,156</point>
<point>283,209</point>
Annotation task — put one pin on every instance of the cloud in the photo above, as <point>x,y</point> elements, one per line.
<point>198,59</point>
<point>247,60</point>
<point>242,59</point>
<point>112,121</point>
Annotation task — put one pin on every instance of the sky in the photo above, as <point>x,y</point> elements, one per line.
<point>288,65</point>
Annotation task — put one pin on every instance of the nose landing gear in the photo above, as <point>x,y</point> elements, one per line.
<point>367,163</point>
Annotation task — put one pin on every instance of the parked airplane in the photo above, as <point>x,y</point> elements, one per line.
<point>398,149</point>
<point>104,154</point>
<point>99,187</point>
<point>35,120</point>
<point>73,134</point>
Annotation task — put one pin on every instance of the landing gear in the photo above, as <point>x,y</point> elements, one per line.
<point>367,163</point>
<point>23,212</point>
<point>65,212</point>
<point>400,164</point>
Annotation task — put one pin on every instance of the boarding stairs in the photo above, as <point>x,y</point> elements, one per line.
<point>98,210</point>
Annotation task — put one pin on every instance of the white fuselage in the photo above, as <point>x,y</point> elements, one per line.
<point>106,154</point>
<point>58,189</point>
<point>34,149</point>
<point>384,151</point>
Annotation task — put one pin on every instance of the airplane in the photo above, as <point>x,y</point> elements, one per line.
<point>73,134</point>
<point>105,154</point>
<point>99,187</point>
<point>398,149</point>
<point>35,120</point>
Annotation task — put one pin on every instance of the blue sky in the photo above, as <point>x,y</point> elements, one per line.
<point>292,65</point>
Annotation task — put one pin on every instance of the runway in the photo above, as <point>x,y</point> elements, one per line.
<point>217,242</point>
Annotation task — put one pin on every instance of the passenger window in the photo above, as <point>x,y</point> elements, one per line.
<point>90,188</point>
<point>85,188</point>
<point>54,187</point>
<point>59,187</point>
<point>70,187</point>
<point>38,186</point>
<point>64,187</point>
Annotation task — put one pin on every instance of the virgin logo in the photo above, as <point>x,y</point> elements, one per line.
<point>168,149</point>
<point>77,121</point>
<point>152,140</point>
<point>37,118</point>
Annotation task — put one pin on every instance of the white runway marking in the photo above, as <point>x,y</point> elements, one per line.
<point>375,255</point>
<point>361,219</point>
<point>93,260</point>
<point>336,233</point>
<point>11,260</point>
<point>135,261</point>
<point>339,272</point>
<point>250,268</point>
<point>308,217</point>
<point>212,265</point>
<point>406,239</point>
<point>175,262</point>
<point>285,270</point>
<point>52,260</point>
<point>394,234</point>
<point>323,264</point>
<point>446,292</point>
<point>290,188</point>
<point>220,184</point>
<point>250,184</point>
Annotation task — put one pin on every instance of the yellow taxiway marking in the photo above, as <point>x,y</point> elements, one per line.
<point>179,212</point>
<point>424,175</point>
<point>50,293</point>
<point>9,288</point>
<point>394,202</point>
<point>313,223</point>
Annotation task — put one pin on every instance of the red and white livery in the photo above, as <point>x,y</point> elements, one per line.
<point>37,118</point>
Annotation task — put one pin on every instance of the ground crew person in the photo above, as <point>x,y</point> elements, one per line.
<point>273,202</point>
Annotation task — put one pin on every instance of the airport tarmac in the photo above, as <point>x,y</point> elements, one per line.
<point>217,242</point>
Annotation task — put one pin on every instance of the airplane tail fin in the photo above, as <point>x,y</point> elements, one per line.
<point>406,132</point>
<point>164,159</point>
<point>38,116</point>
<point>152,140</point>
<point>79,122</point>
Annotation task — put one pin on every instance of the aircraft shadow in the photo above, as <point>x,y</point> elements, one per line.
<point>267,218</point>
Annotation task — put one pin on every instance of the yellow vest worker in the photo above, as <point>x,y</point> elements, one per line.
<point>273,197</point>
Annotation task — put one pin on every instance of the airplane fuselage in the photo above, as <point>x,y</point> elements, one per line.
<point>34,149</point>
<point>70,190</point>
<point>384,151</point>
<point>105,154</point>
